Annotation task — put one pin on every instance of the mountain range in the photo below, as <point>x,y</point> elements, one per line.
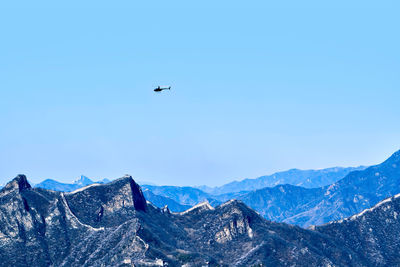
<point>113,225</point>
<point>180,198</point>
<point>361,188</point>
<point>304,178</point>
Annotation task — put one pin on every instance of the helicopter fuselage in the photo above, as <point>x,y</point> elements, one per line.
<point>159,89</point>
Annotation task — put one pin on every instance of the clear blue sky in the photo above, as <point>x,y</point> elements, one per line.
<point>256,88</point>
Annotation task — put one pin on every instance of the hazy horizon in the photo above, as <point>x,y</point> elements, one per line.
<point>256,88</point>
<point>95,179</point>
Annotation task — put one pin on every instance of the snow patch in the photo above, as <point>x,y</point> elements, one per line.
<point>249,254</point>
<point>374,207</point>
<point>83,188</point>
<point>204,204</point>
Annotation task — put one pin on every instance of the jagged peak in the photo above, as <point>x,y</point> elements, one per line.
<point>123,180</point>
<point>83,180</point>
<point>234,203</point>
<point>137,195</point>
<point>230,202</point>
<point>19,183</point>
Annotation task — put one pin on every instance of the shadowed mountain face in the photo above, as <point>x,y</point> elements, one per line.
<point>112,225</point>
<point>111,203</point>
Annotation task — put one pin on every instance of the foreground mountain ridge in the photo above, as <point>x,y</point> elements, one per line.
<point>113,225</point>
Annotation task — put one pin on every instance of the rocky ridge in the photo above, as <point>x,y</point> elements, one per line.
<point>112,225</point>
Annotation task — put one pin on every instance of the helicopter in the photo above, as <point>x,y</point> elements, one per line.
<point>159,89</point>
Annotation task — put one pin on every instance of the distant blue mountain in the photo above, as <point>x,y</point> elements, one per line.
<point>83,181</point>
<point>57,186</point>
<point>161,201</point>
<point>104,181</point>
<point>360,188</point>
<point>183,195</point>
<point>303,178</point>
<point>357,191</point>
<point>240,189</point>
